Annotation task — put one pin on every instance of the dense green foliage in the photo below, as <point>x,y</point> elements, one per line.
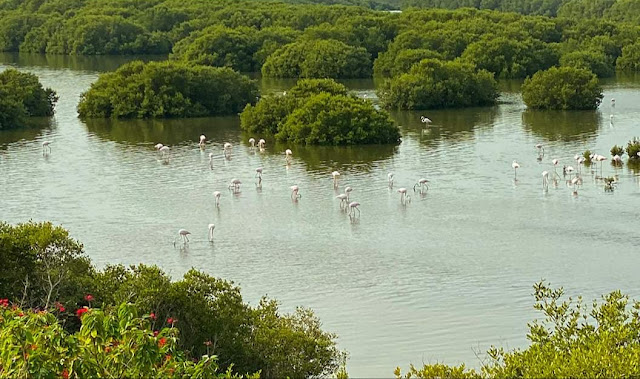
<point>319,112</point>
<point>633,148</point>
<point>630,59</point>
<point>113,343</point>
<point>47,270</point>
<point>572,341</point>
<point>318,59</point>
<point>562,88</point>
<point>22,96</point>
<point>436,84</point>
<point>594,61</point>
<point>167,89</point>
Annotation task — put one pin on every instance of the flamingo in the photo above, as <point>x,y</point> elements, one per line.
<point>183,233</point>
<point>261,143</point>
<point>288,153</point>
<point>580,163</point>
<point>211,160</point>
<point>158,146</point>
<point>294,192</point>
<point>165,151</point>
<point>258,173</point>
<point>336,176</point>
<point>235,184</point>
<point>515,166</point>
<point>46,145</point>
<point>540,149</point>
<point>252,142</point>
<point>227,149</point>
<point>617,159</point>
<point>569,170</point>
<point>353,207</point>
<point>390,179</point>
<point>613,102</point>
<point>575,181</point>
<point>425,120</point>
<point>600,158</point>
<point>347,191</point>
<point>403,196</point>
<point>203,139</point>
<point>555,164</point>
<point>211,228</point>
<point>545,179</point>
<point>343,200</point>
<point>422,183</point>
<point>216,195</point>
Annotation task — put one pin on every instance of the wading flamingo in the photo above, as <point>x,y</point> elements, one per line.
<point>515,166</point>
<point>353,207</point>
<point>288,153</point>
<point>404,198</point>
<point>343,200</point>
<point>182,233</point>
<point>545,179</point>
<point>216,195</point>
<point>235,185</point>
<point>46,145</point>
<point>203,140</point>
<point>390,179</point>
<point>294,192</point>
<point>421,184</point>
<point>335,175</point>
<point>347,191</point>
<point>211,228</point>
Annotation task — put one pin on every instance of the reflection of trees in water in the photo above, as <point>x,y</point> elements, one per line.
<point>622,80</point>
<point>453,125</point>
<point>100,63</point>
<point>328,158</point>
<point>633,165</point>
<point>562,125</point>
<point>166,131</point>
<point>30,131</point>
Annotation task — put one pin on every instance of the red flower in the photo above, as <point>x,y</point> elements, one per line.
<point>172,320</point>
<point>107,349</point>
<point>152,316</point>
<point>21,314</point>
<point>81,311</point>
<point>60,307</point>
<point>65,374</point>
<point>4,302</point>
<point>88,297</point>
<point>168,357</point>
<point>155,333</point>
<point>162,341</point>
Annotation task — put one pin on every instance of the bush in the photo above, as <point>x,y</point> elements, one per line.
<point>22,96</point>
<point>562,88</point>
<point>318,59</point>
<point>391,64</point>
<point>617,150</point>
<point>597,62</point>
<point>116,343</point>
<point>630,59</point>
<point>45,269</point>
<point>167,89</point>
<point>587,157</point>
<point>436,84</point>
<point>633,148</point>
<point>573,341</point>
<point>327,119</point>
<point>319,112</point>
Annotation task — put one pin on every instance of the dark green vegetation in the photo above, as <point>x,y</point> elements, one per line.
<point>562,88</point>
<point>436,84</point>
<point>44,269</point>
<point>167,89</point>
<point>573,341</point>
<point>319,112</point>
<point>633,148</point>
<point>297,38</point>
<point>22,96</point>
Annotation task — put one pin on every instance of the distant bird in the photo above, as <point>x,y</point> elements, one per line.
<point>422,184</point>
<point>261,143</point>
<point>613,102</point>
<point>403,196</point>
<point>347,191</point>
<point>258,173</point>
<point>216,195</point>
<point>227,149</point>
<point>555,164</point>
<point>211,160</point>
<point>353,207</point>
<point>336,176</point>
<point>235,184</point>
<point>515,166</point>
<point>611,119</point>
<point>545,179</point>
<point>390,179</point>
<point>252,142</point>
<point>569,170</point>
<point>182,233</point>
<point>575,182</point>
<point>343,200</point>
<point>211,228</point>
<point>165,151</point>
<point>600,158</point>
<point>46,145</point>
<point>617,159</point>
<point>540,149</point>
<point>203,139</point>
<point>158,146</point>
<point>288,153</point>
<point>294,192</point>
<point>425,120</point>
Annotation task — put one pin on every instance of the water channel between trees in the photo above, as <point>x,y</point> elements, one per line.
<point>433,281</point>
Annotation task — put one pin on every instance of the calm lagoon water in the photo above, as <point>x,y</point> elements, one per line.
<point>434,281</point>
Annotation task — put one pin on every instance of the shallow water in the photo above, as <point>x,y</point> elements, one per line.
<point>446,275</point>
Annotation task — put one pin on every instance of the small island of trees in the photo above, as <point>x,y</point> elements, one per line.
<point>562,88</point>
<point>167,89</point>
<point>22,96</point>
<point>319,112</point>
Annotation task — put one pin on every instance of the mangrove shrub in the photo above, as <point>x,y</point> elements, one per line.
<point>319,112</point>
<point>318,59</point>
<point>630,59</point>
<point>594,61</point>
<point>562,88</point>
<point>436,84</point>
<point>167,89</point>
<point>22,96</point>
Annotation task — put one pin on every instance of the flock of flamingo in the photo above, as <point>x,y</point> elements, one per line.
<point>352,207</point>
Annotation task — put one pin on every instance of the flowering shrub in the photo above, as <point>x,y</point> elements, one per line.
<point>114,343</point>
